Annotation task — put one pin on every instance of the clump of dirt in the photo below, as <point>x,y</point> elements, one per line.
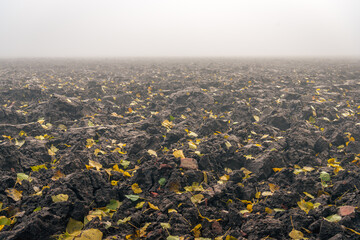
<point>180,149</point>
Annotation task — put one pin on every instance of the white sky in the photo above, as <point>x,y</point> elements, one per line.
<point>121,28</point>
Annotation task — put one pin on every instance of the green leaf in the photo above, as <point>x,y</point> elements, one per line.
<point>37,209</point>
<point>22,176</point>
<point>113,205</point>
<point>5,221</point>
<point>132,197</point>
<point>162,181</point>
<point>324,176</point>
<point>333,218</point>
<point>171,118</point>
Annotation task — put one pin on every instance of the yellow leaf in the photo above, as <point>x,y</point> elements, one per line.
<point>139,205</point>
<point>90,142</point>
<point>266,193</point>
<point>97,151</point>
<point>197,198</point>
<point>153,206</point>
<point>136,189</point>
<point>305,206</point>
<point>38,167</point>
<point>172,210</point>
<point>14,194</point>
<point>74,226</point>
<point>125,220</point>
<point>167,124</point>
<point>257,195</point>
<point>178,154</point>
<point>142,232</point>
<point>277,169</point>
<point>273,187</point>
<point>268,210</point>
<point>130,110</point>
<point>126,174</point>
<point>309,195</point>
<point>152,152</point>
<point>295,234</point>
<point>52,151</point>
<point>90,234</point>
<point>114,183</point>
<point>60,198</point>
<point>192,145</point>
<point>256,118</point>
<point>96,165</point>
<point>249,207</point>
<point>196,230</point>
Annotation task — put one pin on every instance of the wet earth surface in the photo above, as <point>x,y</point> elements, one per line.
<point>180,149</point>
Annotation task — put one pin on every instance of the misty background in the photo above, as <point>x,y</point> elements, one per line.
<point>182,28</point>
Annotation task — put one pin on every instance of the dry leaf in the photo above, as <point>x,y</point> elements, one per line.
<point>178,154</point>
<point>94,164</point>
<point>153,206</point>
<point>295,234</point>
<point>152,152</point>
<point>14,194</point>
<point>136,189</point>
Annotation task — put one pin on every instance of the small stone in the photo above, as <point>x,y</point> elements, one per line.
<point>189,163</point>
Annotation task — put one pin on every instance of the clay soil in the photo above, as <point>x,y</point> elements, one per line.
<point>179,149</point>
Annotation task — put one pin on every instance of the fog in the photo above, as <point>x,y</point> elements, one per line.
<point>181,28</point>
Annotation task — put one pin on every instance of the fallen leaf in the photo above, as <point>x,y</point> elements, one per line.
<point>132,197</point>
<point>153,206</point>
<point>196,230</point>
<point>273,187</point>
<point>124,220</point>
<point>73,226</point>
<point>346,210</point>
<point>165,225</point>
<point>295,234</point>
<point>333,218</point>
<point>136,189</point>
<point>90,234</point>
<point>60,198</point>
<point>96,165</point>
<point>197,198</point>
<point>57,175</point>
<point>139,205</point>
<point>152,152</point>
<point>178,154</point>
<point>113,205</point>
<point>38,167</point>
<point>14,194</point>
<point>52,151</point>
<point>305,206</point>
